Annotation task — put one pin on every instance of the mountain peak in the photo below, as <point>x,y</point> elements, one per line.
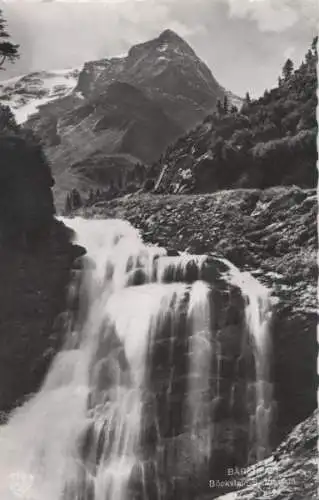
<point>170,36</point>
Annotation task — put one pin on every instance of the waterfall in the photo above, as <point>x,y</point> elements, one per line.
<point>258,312</point>
<point>200,355</point>
<point>130,394</point>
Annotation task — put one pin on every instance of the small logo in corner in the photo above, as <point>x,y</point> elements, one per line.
<point>21,484</point>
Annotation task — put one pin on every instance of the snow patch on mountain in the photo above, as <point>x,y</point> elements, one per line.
<point>163,47</point>
<point>25,94</point>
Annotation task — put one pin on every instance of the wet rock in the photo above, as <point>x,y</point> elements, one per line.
<point>168,437</point>
<point>172,252</point>
<point>290,473</point>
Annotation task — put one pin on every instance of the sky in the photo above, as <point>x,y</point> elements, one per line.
<point>244,42</point>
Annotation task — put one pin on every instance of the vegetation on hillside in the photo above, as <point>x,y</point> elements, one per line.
<point>129,181</point>
<point>270,141</point>
<point>74,200</point>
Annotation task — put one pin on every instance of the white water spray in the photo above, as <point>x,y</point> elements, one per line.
<point>258,312</point>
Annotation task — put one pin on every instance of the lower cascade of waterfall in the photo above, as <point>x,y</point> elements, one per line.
<point>160,352</point>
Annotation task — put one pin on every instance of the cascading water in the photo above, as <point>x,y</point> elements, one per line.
<point>131,393</point>
<point>200,356</point>
<point>258,312</point>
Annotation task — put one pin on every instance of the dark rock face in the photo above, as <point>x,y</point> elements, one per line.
<point>295,369</point>
<point>34,282</point>
<point>124,111</point>
<point>26,202</point>
<point>36,255</point>
<point>165,68</point>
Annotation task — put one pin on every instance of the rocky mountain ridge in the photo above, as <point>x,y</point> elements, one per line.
<point>168,70</point>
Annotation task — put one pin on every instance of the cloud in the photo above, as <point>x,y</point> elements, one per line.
<point>106,2</point>
<point>274,15</point>
<point>289,53</point>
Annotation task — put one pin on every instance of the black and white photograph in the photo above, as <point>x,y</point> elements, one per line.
<point>158,250</point>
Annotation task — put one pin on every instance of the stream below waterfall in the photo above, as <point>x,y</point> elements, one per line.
<point>166,362</point>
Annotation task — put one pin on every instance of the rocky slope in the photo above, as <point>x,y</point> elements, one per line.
<point>99,122</point>
<point>291,473</point>
<point>271,233</point>
<point>99,141</point>
<point>168,70</point>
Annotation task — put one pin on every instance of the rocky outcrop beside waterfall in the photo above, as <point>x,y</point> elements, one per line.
<point>26,201</point>
<point>33,292</point>
<point>271,233</point>
<point>290,472</point>
<point>36,255</point>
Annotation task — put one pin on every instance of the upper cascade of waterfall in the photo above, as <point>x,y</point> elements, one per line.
<point>142,378</point>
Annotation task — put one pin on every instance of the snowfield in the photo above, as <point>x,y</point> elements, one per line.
<point>24,94</point>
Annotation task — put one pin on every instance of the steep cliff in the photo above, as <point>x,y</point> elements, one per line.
<point>36,256</point>
<point>33,295</point>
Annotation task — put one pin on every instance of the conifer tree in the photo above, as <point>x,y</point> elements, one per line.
<point>226,105</point>
<point>314,47</point>
<point>309,57</point>
<point>91,197</point>
<point>67,205</point>
<point>7,120</point>
<point>287,70</point>
<point>219,107</point>
<point>8,50</point>
<point>77,200</point>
